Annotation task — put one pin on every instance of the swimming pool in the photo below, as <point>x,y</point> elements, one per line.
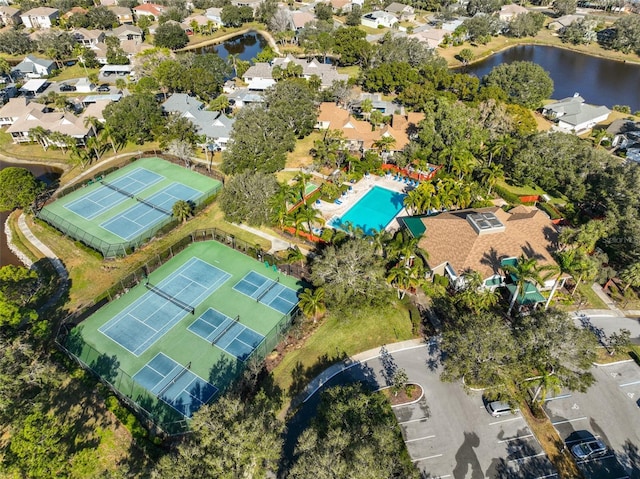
<point>375,210</point>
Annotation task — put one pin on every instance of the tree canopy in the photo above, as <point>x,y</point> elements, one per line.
<point>246,198</point>
<point>526,83</point>
<point>134,117</point>
<point>170,35</point>
<point>18,188</point>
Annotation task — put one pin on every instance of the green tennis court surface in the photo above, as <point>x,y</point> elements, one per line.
<point>129,206</point>
<point>130,340</point>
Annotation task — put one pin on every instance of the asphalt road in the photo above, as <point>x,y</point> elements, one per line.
<point>448,432</point>
<point>605,324</point>
<point>608,411</point>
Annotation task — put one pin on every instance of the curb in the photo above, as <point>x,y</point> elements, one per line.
<point>410,402</point>
<point>604,365</point>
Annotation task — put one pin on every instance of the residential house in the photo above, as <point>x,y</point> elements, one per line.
<point>433,37</point>
<point>383,106</point>
<point>9,16</point>
<point>253,4</point>
<point>73,11</point>
<point>152,10</point>
<point>574,115</point>
<point>108,3</point>
<point>623,133</point>
<point>359,135</point>
<point>133,47</point>
<point>34,86</point>
<point>40,17</point>
<point>344,6</point>
<point>88,38</point>
<point>96,110</point>
<point>124,14</point>
<point>511,11</point>
<point>84,85</point>
<point>33,67</point>
<point>404,13</point>
<point>260,76</point>
<point>16,108</point>
<point>300,19</point>
<point>117,70</point>
<point>241,97</point>
<point>52,122</point>
<point>215,15</point>
<point>379,19</point>
<point>200,22</point>
<point>127,32</point>
<point>484,240</point>
<point>215,126</point>
<point>563,22</point>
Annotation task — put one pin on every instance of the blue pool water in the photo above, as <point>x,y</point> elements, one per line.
<point>374,211</point>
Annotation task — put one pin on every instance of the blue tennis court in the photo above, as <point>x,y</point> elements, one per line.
<point>226,333</point>
<point>142,323</point>
<point>267,291</point>
<point>175,384</point>
<point>104,198</point>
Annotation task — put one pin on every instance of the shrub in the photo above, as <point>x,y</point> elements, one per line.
<point>553,213</point>
<point>507,195</point>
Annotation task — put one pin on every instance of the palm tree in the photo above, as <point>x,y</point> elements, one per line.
<point>301,180</point>
<point>584,267</point>
<point>415,202</point>
<point>491,175</point>
<point>548,382</point>
<point>312,303</point>
<point>598,136</point>
<point>631,275</point>
<point>308,215</point>
<point>220,103</point>
<point>503,146</point>
<point>404,248</point>
<point>384,144</point>
<point>376,118</point>
<point>565,261</point>
<point>93,143</point>
<point>79,155</point>
<point>39,134</point>
<point>463,164</point>
<point>182,210</point>
<point>366,107</point>
<point>526,271</point>
<point>399,277</point>
<point>110,135</point>
<point>380,240</point>
<point>294,254</point>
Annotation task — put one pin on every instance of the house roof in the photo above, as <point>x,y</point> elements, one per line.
<point>622,126</point>
<point>64,123</point>
<point>566,106</point>
<point>120,11</point>
<point>379,14</point>
<point>84,33</point>
<point>512,9</point>
<point>6,11</point>
<point>338,4</point>
<point>149,8</point>
<point>531,295</point>
<point>116,68</point>
<point>95,110</point>
<point>396,8</point>
<point>125,30</point>
<point>450,238</point>
<point>566,20</point>
<point>574,111</point>
<point>41,12</point>
<point>19,106</point>
<point>33,85</point>
<point>300,19</point>
<point>28,64</point>
<point>259,70</point>
<point>181,102</point>
<point>199,19</point>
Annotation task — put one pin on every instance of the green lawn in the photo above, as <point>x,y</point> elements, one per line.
<point>521,190</point>
<point>353,71</point>
<point>338,337</point>
<point>76,71</point>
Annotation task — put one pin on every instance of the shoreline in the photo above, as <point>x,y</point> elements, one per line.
<point>539,43</point>
<point>215,41</point>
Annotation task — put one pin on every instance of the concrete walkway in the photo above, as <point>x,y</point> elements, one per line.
<point>50,255</point>
<point>277,244</point>
<point>606,299</point>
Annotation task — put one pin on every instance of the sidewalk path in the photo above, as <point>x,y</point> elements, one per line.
<point>606,299</point>
<point>277,244</point>
<point>50,255</point>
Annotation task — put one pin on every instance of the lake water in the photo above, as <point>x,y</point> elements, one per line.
<point>246,46</point>
<point>599,81</point>
<point>42,172</point>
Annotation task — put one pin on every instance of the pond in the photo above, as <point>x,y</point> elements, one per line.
<point>42,172</point>
<point>246,46</point>
<point>598,80</point>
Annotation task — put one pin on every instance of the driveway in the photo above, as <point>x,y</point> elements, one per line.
<point>608,411</point>
<point>448,432</point>
<point>604,324</point>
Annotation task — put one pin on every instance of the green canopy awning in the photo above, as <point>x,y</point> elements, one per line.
<point>509,262</point>
<point>415,225</point>
<point>531,295</point>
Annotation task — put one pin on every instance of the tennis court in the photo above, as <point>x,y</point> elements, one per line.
<point>190,313</point>
<point>117,213</point>
<point>175,384</point>
<point>152,315</point>
<point>100,200</point>
<point>229,334</point>
<point>267,291</point>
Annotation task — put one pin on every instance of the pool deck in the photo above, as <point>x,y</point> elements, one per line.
<point>359,189</point>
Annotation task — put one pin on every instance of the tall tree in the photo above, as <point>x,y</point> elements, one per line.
<point>312,303</point>
<point>526,271</point>
<point>18,188</point>
<point>526,83</point>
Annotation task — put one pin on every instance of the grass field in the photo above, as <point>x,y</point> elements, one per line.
<point>210,363</point>
<point>338,337</point>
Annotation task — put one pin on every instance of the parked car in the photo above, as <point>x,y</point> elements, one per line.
<point>588,449</point>
<point>104,87</point>
<point>499,408</point>
<point>67,87</point>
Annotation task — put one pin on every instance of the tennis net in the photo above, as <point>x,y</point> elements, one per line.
<point>264,293</point>
<point>168,297</point>
<point>155,207</point>
<point>181,373</point>
<point>115,188</point>
<point>219,335</point>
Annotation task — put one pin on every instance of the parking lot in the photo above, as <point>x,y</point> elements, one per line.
<point>609,411</point>
<point>449,433</point>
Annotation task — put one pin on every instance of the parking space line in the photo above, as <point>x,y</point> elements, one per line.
<point>420,438</point>
<point>629,384</point>
<point>570,420</point>
<point>505,420</point>
<point>515,438</point>
<point>425,458</point>
<point>554,474</point>
<point>520,459</point>
<point>413,420</point>
<point>564,396</point>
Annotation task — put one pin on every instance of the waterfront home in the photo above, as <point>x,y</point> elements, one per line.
<point>563,22</point>
<point>64,123</point>
<point>573,115</point>
<point>40,17</point>
<point>511,11</point>
<point>16,108</point>
<point>260,75</point>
